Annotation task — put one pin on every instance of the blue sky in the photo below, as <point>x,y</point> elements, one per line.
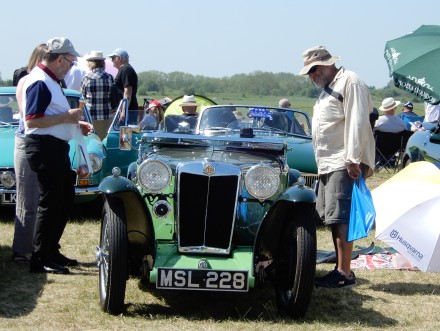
<point>217,38</point>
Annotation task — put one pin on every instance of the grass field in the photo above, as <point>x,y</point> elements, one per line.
<point>383,299</point>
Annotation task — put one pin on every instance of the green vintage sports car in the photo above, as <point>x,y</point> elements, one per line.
<point>208,213</point>
<point>86,188</point>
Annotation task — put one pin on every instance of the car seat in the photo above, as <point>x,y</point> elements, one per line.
<point>217,117</point>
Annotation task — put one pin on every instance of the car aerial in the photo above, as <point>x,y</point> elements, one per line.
<point>424,145</point>
<point>86,188</point>
<point>208,212</point>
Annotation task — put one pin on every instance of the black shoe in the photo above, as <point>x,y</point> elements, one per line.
<point>47,267</point>
<point>64,261</point>
<point>336,279</point>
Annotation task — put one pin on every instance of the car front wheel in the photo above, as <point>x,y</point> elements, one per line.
<point>112,258</point>
<point>296,270</point>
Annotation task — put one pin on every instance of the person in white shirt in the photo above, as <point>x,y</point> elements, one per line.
<point>344,149</point>
<point>432,113</point>
<point>388,122</point>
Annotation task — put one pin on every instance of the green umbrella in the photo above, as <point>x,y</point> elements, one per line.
<point>414,62</point>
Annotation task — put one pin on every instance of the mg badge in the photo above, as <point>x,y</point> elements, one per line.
<point>209,169</point>
<point>203,264</point>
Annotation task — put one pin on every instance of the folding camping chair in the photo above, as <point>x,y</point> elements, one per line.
<point>390,148</point>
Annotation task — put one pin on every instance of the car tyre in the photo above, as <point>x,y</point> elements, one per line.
<point>112,258</point>
<point>296,270</point>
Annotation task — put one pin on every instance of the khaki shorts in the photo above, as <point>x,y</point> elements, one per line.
<point>333,202</point>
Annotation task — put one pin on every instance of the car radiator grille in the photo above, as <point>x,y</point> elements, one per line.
<point>206,208</point>
<point>311,179</point>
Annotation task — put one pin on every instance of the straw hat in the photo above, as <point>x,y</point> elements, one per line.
<point>95,55</point>
<point>189,100</point>
<point>388,104</point>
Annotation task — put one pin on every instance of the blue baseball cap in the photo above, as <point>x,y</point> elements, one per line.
<point>119,52</point>
<point>408,105</point>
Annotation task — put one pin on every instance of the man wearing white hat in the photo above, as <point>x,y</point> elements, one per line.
<point>95,89</point>
<point>344,149</point>
<point>388,122</point>
<point>189,105</point>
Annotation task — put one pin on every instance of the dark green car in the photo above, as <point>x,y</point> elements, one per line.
<point>208,213</point>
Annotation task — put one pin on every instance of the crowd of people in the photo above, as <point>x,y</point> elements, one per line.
<point>41,154</point>
<point>46,125</point>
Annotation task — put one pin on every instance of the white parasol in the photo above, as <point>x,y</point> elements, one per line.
<point>407,214</point>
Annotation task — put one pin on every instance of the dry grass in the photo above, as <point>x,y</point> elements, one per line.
<point>383,299</point>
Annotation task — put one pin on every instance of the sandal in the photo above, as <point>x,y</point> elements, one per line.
<point>19,258</point>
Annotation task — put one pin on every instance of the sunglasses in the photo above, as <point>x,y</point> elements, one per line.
<point>313,69</point>
<point>72,63</point>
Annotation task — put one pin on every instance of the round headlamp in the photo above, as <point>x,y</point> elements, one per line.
<point>262,181</point>
<point>154,175</point>
<point>7,179</point>
<point>96,162</point>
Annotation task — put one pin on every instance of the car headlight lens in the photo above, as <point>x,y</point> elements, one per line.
<point>7,179</point>
<point>154,175</point>
<point>96,162</point>
<point>262,181</point>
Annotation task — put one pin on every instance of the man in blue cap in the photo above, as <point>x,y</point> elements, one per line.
<point>126,80</point>
<point>407,110</point>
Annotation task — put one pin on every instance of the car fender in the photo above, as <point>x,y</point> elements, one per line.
<point>140,230</point>
<point>296,201</point>
<point>131,172</point>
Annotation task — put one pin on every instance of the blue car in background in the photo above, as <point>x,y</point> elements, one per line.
<point>86,189</point>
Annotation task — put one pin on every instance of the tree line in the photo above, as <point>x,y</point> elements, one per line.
<point>257,83</point>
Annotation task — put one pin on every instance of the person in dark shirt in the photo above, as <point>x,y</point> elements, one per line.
<point>126,79</point>
<point>407,110</point>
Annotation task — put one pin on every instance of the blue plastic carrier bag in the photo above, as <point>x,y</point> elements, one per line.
<point>362,213</point>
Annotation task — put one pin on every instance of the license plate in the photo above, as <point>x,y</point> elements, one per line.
<point>202,279</point>
<point>9,198</point>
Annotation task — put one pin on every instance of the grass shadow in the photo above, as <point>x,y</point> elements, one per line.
<point>19,289</point>
<point>407,289</point>
<point>256,305</point>
<point>330,306</point>
<point>346,307</point>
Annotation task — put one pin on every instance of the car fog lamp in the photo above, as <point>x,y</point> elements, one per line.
<point>262,181</point>
<point>154,175</point>
<point>7,179</point>
<point>96,162</point>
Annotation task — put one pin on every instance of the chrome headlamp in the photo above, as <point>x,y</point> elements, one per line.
<point>262,181</point>
<point>96,162</point>
<point>7,179</point>
<point>154,175</point>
